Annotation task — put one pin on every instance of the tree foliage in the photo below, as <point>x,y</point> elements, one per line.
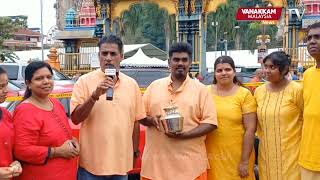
<point>20,21</point>
<point>147,23</point>
<point>7,28</point>
<point>243,37</point>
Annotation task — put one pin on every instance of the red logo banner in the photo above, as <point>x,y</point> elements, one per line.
<point>258,14</point>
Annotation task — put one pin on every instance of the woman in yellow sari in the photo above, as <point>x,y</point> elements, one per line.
<point>280,107</point>
<point>230,146</point>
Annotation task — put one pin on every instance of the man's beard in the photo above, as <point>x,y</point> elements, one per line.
<point>180,76</point>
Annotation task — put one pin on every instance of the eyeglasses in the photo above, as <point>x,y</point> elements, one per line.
<point>315,36</point>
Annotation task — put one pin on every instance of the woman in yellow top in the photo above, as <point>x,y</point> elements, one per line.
<point>280,106</point>
<point>230,146</point>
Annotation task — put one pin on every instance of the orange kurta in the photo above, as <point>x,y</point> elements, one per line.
<point>106,135</point>
<point>166,158</point>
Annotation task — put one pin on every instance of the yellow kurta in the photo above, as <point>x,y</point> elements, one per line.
<point>279,131</point>
<point>224,145</point>
<point>310,141</point>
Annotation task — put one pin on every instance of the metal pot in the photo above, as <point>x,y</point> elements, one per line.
<point>173,119</point>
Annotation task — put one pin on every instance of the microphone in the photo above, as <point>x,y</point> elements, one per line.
<point>110,71</point>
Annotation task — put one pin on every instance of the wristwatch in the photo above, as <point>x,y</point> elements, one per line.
<point>136,153</point>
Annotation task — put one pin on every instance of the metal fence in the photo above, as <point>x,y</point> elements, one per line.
<point>300,55</point>
<point>84,61</point>
<point>75,63</point>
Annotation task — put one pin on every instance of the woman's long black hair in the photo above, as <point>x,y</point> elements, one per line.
<point>228,60</point>
<point>29,72</point>
<point>2,71</point>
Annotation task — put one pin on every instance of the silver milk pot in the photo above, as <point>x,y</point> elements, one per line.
<point>173,119</point>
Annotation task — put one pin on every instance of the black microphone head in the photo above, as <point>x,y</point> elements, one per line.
<point>110,66</point>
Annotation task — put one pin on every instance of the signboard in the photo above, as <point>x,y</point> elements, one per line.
<point>296,12</point>
<point>259,14</point>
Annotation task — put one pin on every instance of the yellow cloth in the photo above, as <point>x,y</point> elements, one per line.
<point>224,145</point>
<point>310,142</point>
<point>279,131</point>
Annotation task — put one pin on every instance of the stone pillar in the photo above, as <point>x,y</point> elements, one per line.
<point>53,59</point>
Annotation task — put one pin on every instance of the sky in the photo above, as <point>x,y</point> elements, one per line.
<point>31,8</point>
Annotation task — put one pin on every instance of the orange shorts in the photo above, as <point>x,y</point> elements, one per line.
<point>203,176</point>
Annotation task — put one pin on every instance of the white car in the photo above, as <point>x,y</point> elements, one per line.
<point>16,75</point>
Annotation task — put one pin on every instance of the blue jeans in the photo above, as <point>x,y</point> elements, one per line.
<point>86,175</point>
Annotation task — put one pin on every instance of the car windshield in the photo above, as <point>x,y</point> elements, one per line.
<point>12,71</point>
<point>56,74</point>
<point>145,77</point>
<point>242,77</point>
<point>13,87</point>
<point>59,76</point>
<point>11,106</point>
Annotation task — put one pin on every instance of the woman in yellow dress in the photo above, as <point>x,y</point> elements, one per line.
<point>280,107</point>
<point>230,147</point>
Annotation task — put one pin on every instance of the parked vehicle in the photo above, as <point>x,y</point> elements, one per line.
<point>243,77</point>
<point>145,77</point>
<point>16,75</point>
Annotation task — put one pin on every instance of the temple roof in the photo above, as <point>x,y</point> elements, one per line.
<point>71,13</point>
<point>27,32</point>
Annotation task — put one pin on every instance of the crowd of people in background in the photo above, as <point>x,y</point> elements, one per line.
<point>220,123</point>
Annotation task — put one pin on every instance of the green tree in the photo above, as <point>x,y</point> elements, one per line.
<point>20,21</point>
<point>132,21</point>
<point>154,27</point>
<point>243,37</point>
<point>147,23</point>
<point>7,28</point>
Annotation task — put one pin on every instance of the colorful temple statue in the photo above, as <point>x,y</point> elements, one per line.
<point>71,18</point>
<point>312,7</point>
<point>87,15</point>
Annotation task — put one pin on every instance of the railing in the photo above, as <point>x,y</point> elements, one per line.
<point>68,94</point>
<point>81,63</point>
<point>300,55</point>
<point>75,63</point>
